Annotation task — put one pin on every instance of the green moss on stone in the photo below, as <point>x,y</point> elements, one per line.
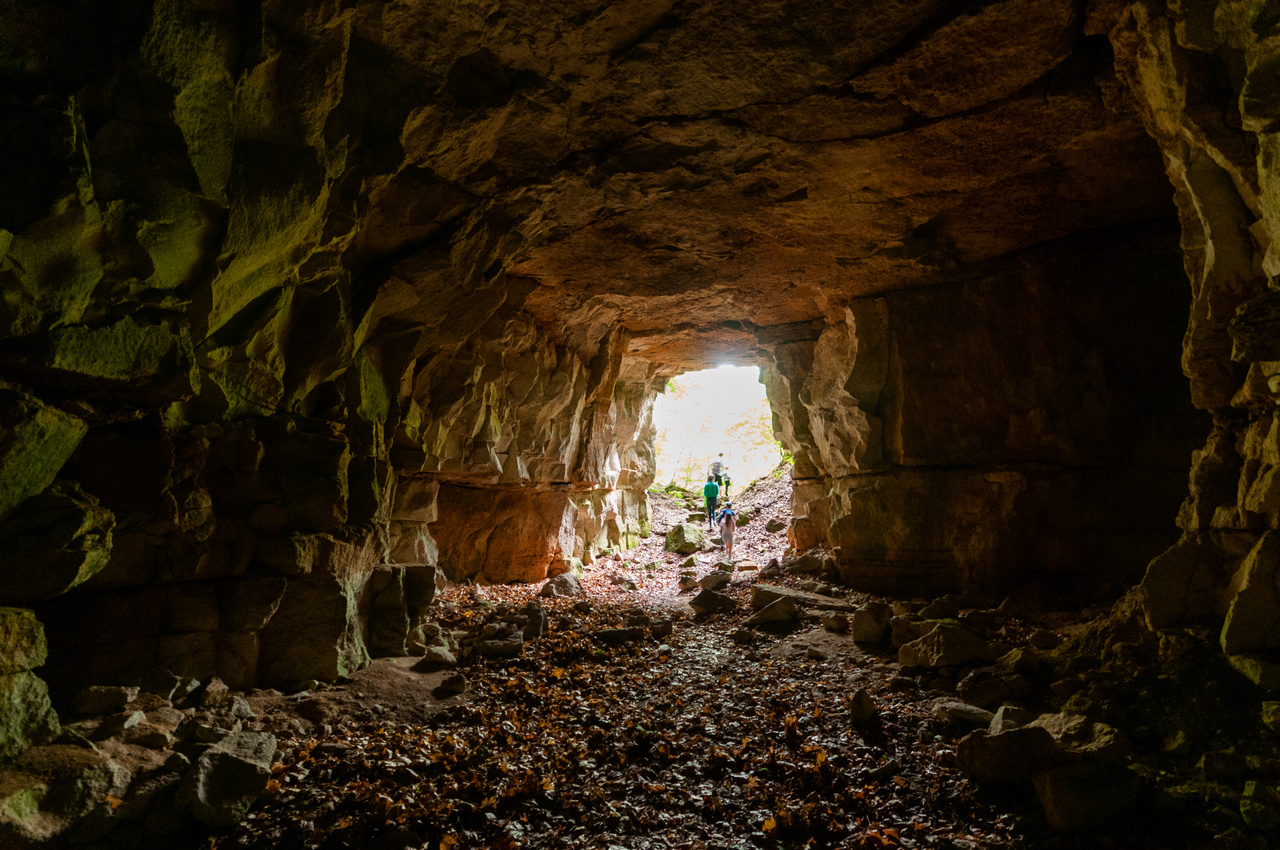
<point>22,643</point>
<point>26,715</point>
<point>35,442</point>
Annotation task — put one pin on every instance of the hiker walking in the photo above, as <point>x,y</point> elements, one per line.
<point>728,525</point>
<point>717,469</point>
<point>711,492</point>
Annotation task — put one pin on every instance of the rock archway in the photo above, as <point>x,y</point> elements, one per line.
<point>304,302</point>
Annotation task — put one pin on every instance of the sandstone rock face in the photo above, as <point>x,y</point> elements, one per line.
<point>359,294</point>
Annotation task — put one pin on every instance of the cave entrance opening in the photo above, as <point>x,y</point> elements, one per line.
<point>712,415</point>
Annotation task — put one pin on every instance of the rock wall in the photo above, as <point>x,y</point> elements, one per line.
<point>1205,78</point>
<point>1026,422</point>
<point>263,378</point>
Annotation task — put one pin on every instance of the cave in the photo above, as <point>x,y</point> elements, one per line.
<point>310,309</point>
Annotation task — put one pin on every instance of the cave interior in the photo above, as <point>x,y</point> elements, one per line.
<point>307,306</point>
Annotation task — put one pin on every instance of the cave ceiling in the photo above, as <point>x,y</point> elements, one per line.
<point>699,177</point>
<point>699,172</point>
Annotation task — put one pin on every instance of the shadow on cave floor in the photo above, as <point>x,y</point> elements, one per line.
<point>640,721</point>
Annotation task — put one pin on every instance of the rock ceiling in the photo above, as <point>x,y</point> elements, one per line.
<point>693,172</point>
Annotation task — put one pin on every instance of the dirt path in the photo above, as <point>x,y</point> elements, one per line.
<point>708,736</point>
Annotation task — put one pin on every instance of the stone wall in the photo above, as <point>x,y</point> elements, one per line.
<point>1026,422</point>
<point>262,379</point>
<point>1205,78</point>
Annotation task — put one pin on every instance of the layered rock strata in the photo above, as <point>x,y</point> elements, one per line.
<point>306,304</point>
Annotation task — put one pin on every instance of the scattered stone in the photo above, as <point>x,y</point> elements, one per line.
<point>866,628</point>
<point>810,563</point>
<point>617,637</point>
<point>1221,766</point>
<point>710,602</point>
<point>228,778</point>
<point>536,623</point>
<point>742,636</point>
<point>775,525</point>
<point>689,563</point>
<point>862,707</point>
<point>685,538</point>
<point>688,582</point>
<point>781,610</point>
<point>1046,640</point>
<point>834,622</point>
<point>904,630</point>
<point>989,686</point>
<point>500,647</point>
<point>815,654</point>
<point>963,712</point>
<point>940,609</point>
<point>1077,734</point>
<point>1009,717</point>
<point>26,714</point>
<point>1271,715</point>
<point>562,586</point>
<point>1258,816</point>
<point>583,607</point>
<point>240,708</point>
<point>1009,756</point>
<point>216,694</point>
<point>451,685</point>
<point>622,581</point>
<point>945,646</point>
<point>885,771</point>
<point>772,568</point>
<point>763,594</point>
<point>434,658</point>
<point>316,710</point>
<point>715,580</point>
<point>661,627</point>
<point>747,566</point>
<point>1085,797</point>
<point>653,566</point>
<point>103,699</point>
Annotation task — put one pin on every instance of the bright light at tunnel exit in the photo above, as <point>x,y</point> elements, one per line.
<point>705,413</point>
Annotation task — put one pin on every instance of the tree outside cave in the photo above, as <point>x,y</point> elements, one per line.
<point>703,414</point>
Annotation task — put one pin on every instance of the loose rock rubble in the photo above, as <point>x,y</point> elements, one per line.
<point>766,714</point>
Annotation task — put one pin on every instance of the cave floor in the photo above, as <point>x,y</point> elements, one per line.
<point>714,736</point>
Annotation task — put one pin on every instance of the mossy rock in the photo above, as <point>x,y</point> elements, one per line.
<point>22,643</point>
<point>685,538</point>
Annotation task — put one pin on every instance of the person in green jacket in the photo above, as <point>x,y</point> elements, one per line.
<point>711,492</point>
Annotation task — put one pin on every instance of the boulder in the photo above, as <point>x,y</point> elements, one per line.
<point>35,442</point>
<point>22,641</point>
<point>715,580</point>
<point>809,563</point>
<point>103,699</point>
<point>500,647</point>
<point>1009,756</point>
<point>862,707</point>
<point>763,594</point>
<point>53,542</point>
<point>451,685</point>
<point>963,712</point>
<point>26,714</point>
<point>1078,735</point>
<point>834,622</point>
<point>617,637</point>
<point>434,658</point>
<point>946,646</point>
<point>1253,617</point>
<point>64,784</point>
<point>1009,717</point>
<point>775,525</point>
<point>990,686</point>
<point>562,586</point>
<point>779,611</point>
<point>1086,797</point>
<point>685,538</point>
<point>866,627</point>
<point>710,602</point>
<point>228,778</point>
